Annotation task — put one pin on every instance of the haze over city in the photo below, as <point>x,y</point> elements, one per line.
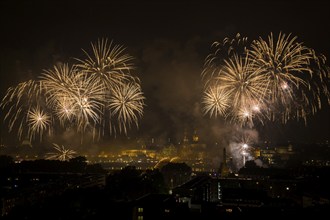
<point>169,42</point>
<point>164,109</point>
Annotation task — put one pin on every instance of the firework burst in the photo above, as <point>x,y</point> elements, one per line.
<point>110,69</point>
<point>87,95</point>
<point>286,64</point>
<point>75,98</point>
<point>38,122</point>
<point>237,92</point>
<point>107,65</point>
<point>277,78</point>
<point>220,51</point>
<point>61,153</point>
<point>216,101</point>
<point>126,104</point>
<point>21,103</point>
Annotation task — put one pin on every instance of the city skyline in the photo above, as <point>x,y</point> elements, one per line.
<point>169,42</point>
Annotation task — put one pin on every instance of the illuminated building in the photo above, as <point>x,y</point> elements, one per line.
<point>257,152</point>
<point>154,206</point>
<point>277,155</point>
<point>193,148</point>
<point>138,153</point>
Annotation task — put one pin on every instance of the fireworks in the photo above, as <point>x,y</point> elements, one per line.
<point>221,51</point>
<point>98,89</point>
<point>74,96</point>
<point>38,121</point>
<point>109,69</point>
<point>278,78</point>
<point>241,145</point>
<point>216,101</point>
<point>60,153</point>
<point>21,102</point>
<point>126,103</point>
<point>237,92</point>
<point>108,65</point>
<point>286,65</point>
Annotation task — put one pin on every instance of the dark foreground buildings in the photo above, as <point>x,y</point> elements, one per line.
<point>76,190</point>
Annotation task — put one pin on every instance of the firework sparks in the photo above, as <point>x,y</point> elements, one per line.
<point>74,96</point>
<point>216,101</point>
<point>38,121</point>
<point>221,51</point>
<point>61,153</point>
<point>286,64</point>
<point>21,101</point>
<point>278,78</point>
<point>241,145</point>
<point>238,91</point>
<point>82,95</point>
<point>107,65</point>
<point>109,68</point>
<point>126,102</point>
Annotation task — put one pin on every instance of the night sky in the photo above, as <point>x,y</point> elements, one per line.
<point>169,40</point>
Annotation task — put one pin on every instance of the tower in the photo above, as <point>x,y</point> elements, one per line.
<point>195,137</point>
<point>224,170</point>
<point>185,138</point>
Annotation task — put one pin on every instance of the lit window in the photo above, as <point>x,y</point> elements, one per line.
<point>140,217</point>
<point>140,210</point>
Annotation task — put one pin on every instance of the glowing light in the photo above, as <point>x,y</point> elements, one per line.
<point>256,108</point>
<point>284,86</point>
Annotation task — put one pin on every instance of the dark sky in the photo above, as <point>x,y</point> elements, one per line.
<point>170,40</point>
